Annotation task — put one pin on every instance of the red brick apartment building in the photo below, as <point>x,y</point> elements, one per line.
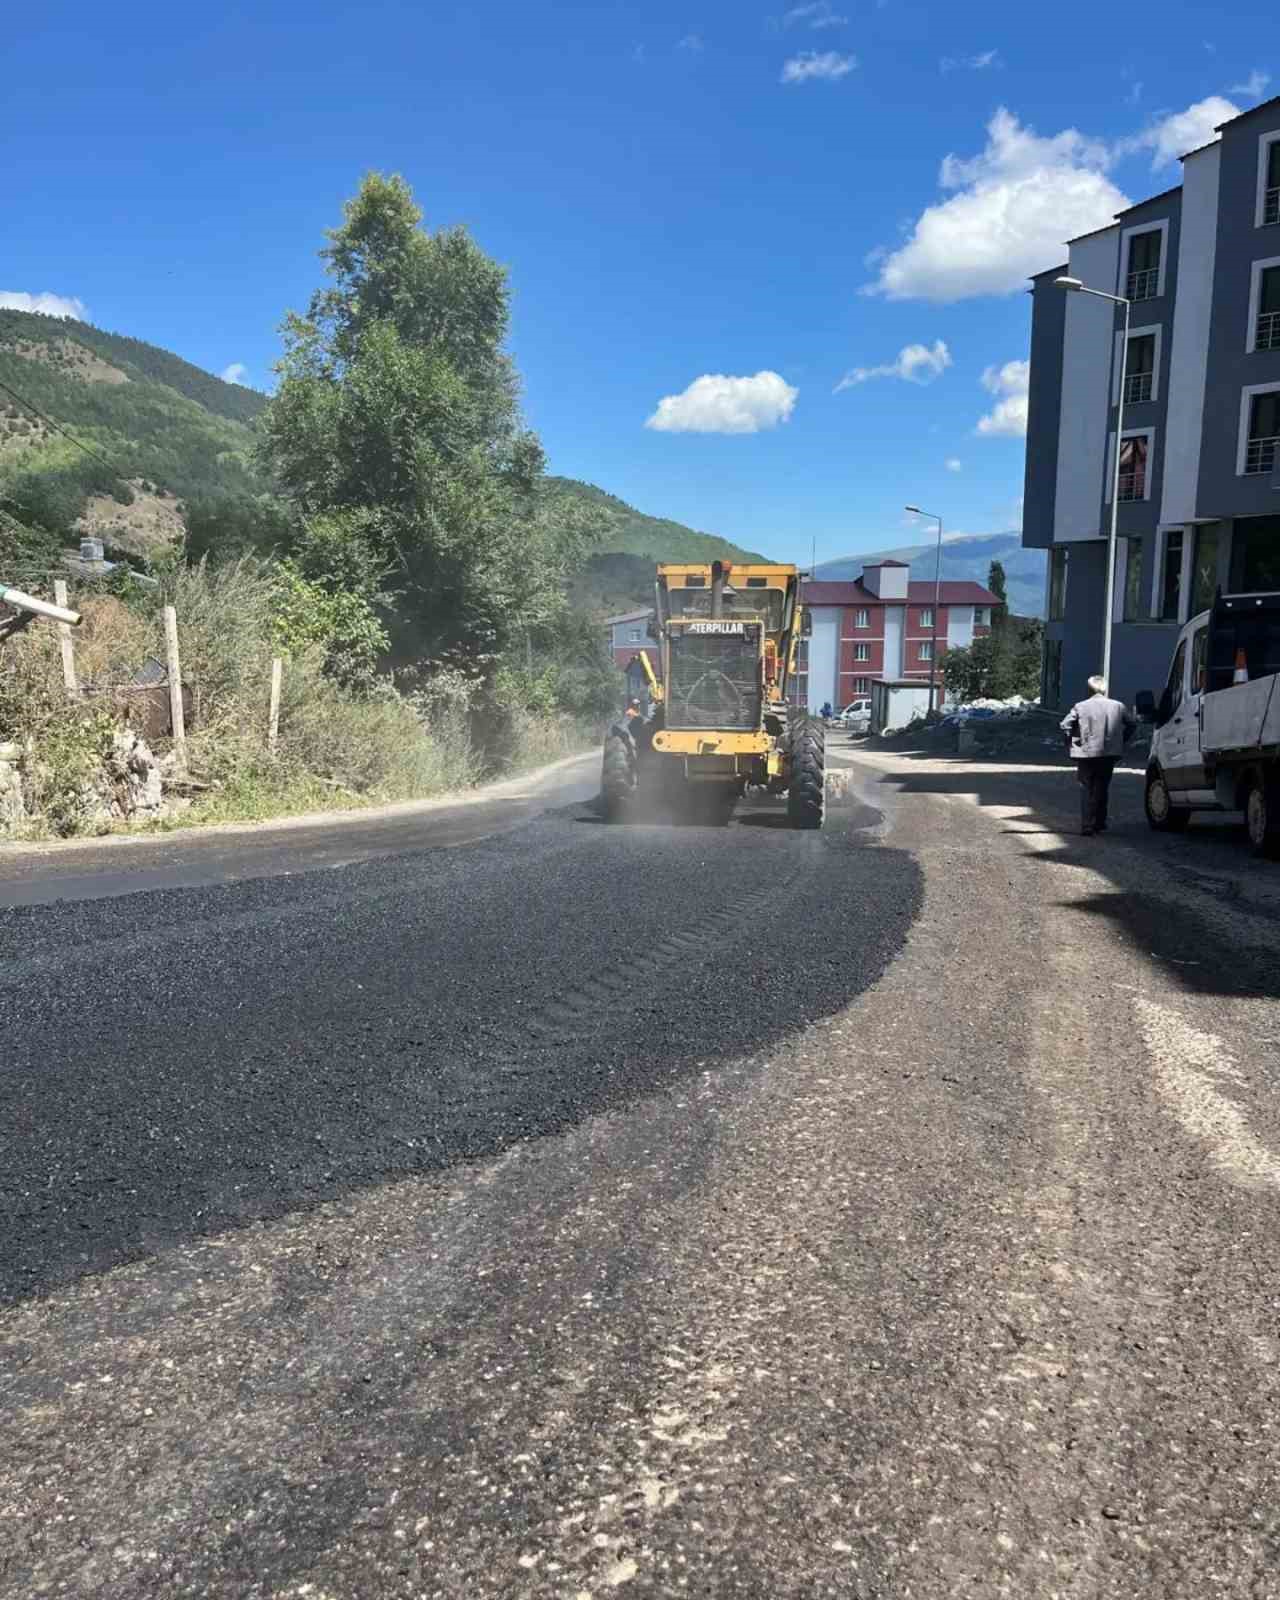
<point>879,626</point>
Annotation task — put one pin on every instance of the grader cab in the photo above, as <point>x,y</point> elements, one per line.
<point>727,638</point>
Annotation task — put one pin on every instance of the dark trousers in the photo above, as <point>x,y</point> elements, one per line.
<point>1094,774</point>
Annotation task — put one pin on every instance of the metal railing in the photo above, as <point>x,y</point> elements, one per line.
<point>1133,484</point>
<point>1137,387</point>
<point>1262,455</point>
<point>1271,205</point>
<point>1143,284</point>
<point>1267,336</point>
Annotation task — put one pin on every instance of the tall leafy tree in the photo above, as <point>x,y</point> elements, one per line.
<point>397,417</point>
<point>996,583</point>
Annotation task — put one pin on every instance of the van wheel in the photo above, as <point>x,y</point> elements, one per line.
<point>1262,816</point>
<point>1162,814</point>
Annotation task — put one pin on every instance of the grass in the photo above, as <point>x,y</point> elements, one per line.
<point>337,750</point>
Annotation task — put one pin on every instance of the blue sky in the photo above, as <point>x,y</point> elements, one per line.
<point>781,199</point>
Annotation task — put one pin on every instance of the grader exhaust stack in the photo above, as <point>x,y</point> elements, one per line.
<point>728,636</point>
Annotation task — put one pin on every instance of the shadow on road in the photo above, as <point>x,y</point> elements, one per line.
<point>1171,894</point>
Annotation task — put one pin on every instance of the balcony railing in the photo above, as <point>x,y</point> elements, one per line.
<point>1262,455</point>
<point>1271,205</point>
<point>1133,484</point>
<point>1268,332</point>
<point>1143,284</point>
<point>1137,387</point>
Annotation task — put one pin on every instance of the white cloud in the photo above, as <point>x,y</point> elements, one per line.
<point>811,64</point>
<point>819,14</point>
<point>978,63</point>
<point>237,372</point>
<point>954,464</point>
<point>50,305</point>
<point>1008,417</point>
<point>1253,85</point>
<point>714,403</point>
<point>691,42</point>
<point>1172,136</point>
<point>1015,204</point>
<point>915,363</point>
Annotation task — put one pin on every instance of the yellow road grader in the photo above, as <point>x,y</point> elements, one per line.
<point>727,636</point>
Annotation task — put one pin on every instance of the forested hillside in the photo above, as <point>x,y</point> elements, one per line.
<point>172,450</point>
<point>154,429</point>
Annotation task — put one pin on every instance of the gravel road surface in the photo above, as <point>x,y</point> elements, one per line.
<point>499,1203</point>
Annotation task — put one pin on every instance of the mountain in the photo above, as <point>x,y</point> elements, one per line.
<point>633,533</point>
<point>168,449</point>
<point>970,558</point>
<point>159,442</point>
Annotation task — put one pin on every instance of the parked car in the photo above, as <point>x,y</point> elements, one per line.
<point>856,716</point>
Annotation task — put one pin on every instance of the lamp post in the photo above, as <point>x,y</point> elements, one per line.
<point>1074,286</point>
<point>937,599</point>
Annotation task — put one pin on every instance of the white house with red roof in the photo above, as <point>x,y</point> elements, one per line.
<point>883,626</point>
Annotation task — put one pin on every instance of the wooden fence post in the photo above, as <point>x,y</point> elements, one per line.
<point>273,719</point>
<point>176,715</point>
<point>69,680</point>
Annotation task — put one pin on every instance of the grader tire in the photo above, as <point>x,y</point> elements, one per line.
<point>806,797</point>
<point>617,777</point>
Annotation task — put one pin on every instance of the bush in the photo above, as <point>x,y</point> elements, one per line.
<point>337,746</point>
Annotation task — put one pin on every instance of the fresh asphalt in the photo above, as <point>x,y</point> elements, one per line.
<point>496,1202</point>
<point>185,1056</point>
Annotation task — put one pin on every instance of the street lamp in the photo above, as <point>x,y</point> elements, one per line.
<point>937,598</point>
<point>1074,286</point>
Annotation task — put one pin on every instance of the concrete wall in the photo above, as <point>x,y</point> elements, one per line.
<point>1231,368</point>
<point>824,656</point>
<point>1044,410</point>
<point>1088,337</point>
<point>1189,343</point>
<point>893,621</point>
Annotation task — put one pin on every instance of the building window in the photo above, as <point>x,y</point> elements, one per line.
<point>1133,466</point>
<point>1132,603</point>
<point>1264,306</point>
<point>1269,180</point>
<point>636,635</point>
<point>1143,280</point>
<point>1204,570</point>
<point>862,652</point>
<point>862,618</point>
<point>1171,577</point>
<point>1058,584</point>
<point>1255,545</point>
<point>926,617</point>
<point>926,650</point>
<point>862,686</point>
<point>1140,369</point>
<point>982,616</point>
<point>1260,444</point>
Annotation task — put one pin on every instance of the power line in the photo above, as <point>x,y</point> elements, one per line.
<point>58,428</point>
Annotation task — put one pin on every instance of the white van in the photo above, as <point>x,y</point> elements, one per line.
<point>1216,745</point>
<point>856,716</point>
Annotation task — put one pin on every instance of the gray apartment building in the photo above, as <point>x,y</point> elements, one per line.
<point>1199,500</point>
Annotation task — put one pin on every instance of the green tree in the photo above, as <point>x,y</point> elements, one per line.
<point>997,665</point>
<point>996,583</point>
<point>397,410</point>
